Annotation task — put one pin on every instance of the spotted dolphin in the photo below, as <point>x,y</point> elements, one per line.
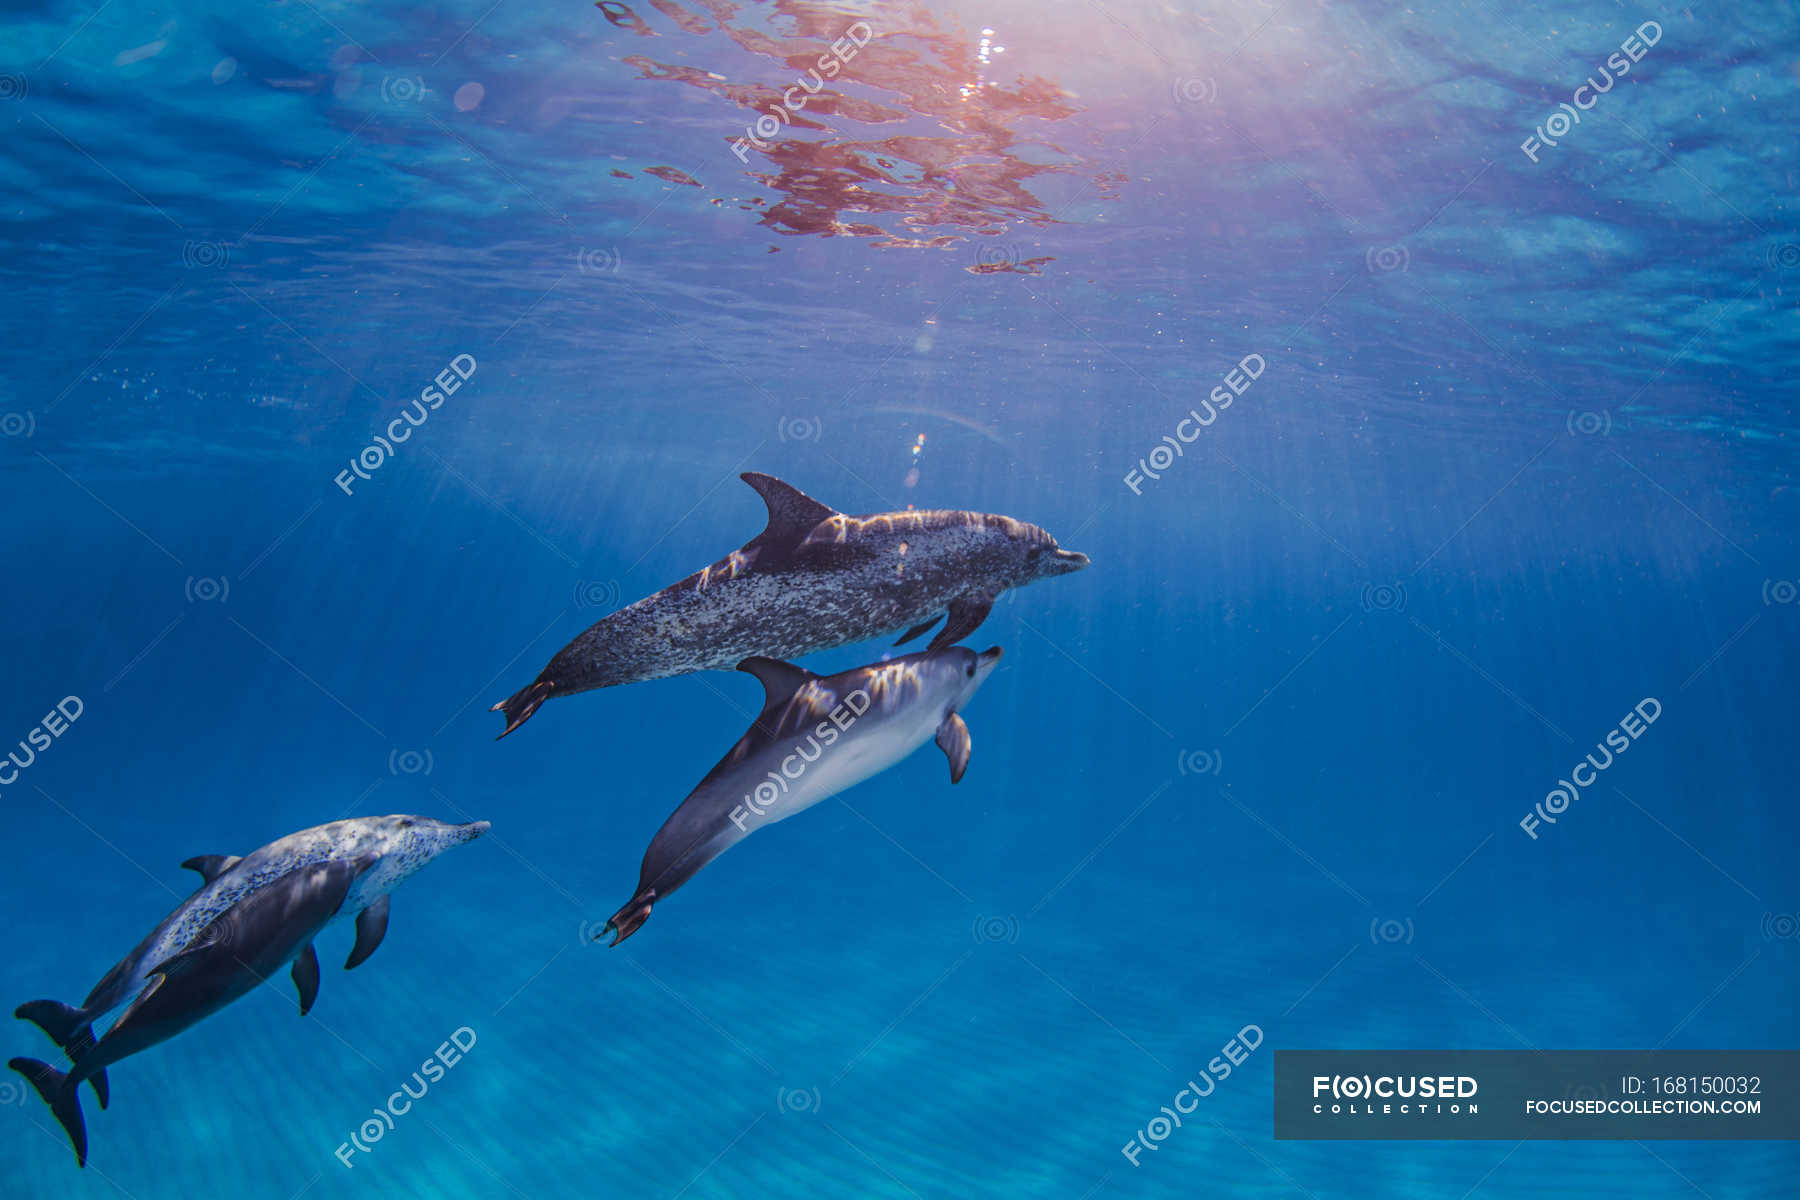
<point>816,736</point>
<point>815,578</point>
<point>251,916</point>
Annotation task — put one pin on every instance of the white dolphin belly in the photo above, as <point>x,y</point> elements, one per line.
<point>837,767</point>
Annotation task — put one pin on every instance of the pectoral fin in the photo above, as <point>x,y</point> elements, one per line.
<point>953,740</point>
<point>915,631</point>
<point>306,978</point>
<point>371,927</point>
<point>966,615</point>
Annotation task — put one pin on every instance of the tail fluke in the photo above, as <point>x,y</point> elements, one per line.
<point>64,1101</point>
<point>629,919</point>
<point>70,1029</point>
<point>519,707</point>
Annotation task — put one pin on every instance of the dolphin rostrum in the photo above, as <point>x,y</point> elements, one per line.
<point>251,917</point>
<point>815,736</point>
<point>813,579</point>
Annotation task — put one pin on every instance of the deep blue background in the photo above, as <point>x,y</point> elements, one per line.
<point>1394,593</point>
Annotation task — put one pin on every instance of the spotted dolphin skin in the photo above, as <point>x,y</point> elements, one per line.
<point>251,917</point>
<point>815,736</point>
<point>813,579</point>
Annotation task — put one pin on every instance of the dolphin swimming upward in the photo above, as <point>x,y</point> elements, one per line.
<point>815,736</point>
<point>251,917</point>
<point>813,579</point>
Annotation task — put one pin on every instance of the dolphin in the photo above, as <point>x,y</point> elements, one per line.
<point>816,736</point>
<point>251,916</point>
<point>813,579</point>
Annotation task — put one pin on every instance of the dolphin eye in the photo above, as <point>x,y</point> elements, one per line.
<point>971,671</point>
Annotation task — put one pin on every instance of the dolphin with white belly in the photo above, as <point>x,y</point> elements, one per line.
<point>816,736</point>
<point>251,916</point>
<point>813,579</point>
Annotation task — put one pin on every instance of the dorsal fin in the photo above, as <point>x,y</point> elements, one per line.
<point>780,680</point>
<point>792,513</point>
<point>211,866</point>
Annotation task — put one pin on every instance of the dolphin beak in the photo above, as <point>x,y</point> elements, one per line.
<point>1069,560</point>
<point>985,662</point>
<point>476,828</point>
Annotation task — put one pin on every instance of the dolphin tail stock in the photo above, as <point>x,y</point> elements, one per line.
<point>63,1098</point>
<point>630,919</point>
<point>521,704</point>
<point>70,1029</point>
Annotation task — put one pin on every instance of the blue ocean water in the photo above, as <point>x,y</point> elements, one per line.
<point>1516,457</point>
